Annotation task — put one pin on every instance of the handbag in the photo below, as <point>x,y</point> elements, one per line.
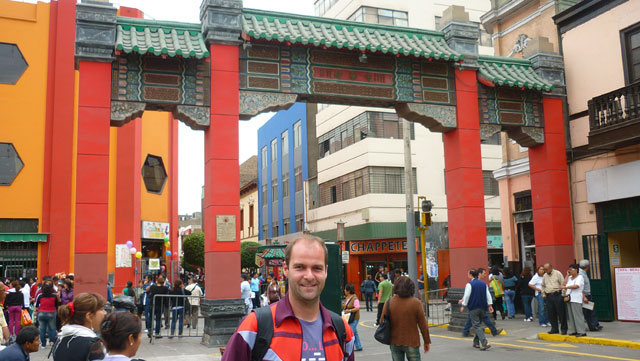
<point>352,315</point>
<point>496,285</point>
<point>383,332</point>
<point>25,319</point>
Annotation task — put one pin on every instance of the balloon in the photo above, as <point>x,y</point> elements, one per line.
<point>167,244</point>
<point>166,238</point>
<point>138,255</point>
<point>129,244</point>
<point>133,250</point>
<point>168,253</point>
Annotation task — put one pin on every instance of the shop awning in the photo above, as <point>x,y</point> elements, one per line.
<point>23,237</point>
<point>273,253</point>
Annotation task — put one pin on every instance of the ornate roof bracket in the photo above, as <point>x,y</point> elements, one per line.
<point>437,118</point>
<point>124,112</point>
<point>487,130</point>
<point>196,117</point>
<point>526,136</point>
<point>253,103</point>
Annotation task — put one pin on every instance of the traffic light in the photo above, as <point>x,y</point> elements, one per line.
<point>426,219</point>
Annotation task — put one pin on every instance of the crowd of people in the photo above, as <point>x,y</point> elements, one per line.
<point>258,291</point>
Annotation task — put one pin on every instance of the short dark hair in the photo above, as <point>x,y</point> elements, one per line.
<point>481,270</point>
<point>397,271</point>
<point>473,272</point>
<point>244,276</point>
<point>349,287</point>
<point>117,327</point>
<point>404,287</point>
<point>27,334</point>
<point>574,266</point>
<point>308,238</point>
<point>384,275</point>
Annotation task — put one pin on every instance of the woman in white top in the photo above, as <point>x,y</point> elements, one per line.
<point>574,285</point>
<point>121,333</point>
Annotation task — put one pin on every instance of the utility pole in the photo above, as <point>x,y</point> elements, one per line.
<point>408,190</point>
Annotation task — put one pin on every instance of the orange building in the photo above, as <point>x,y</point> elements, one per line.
<point>42,202</point>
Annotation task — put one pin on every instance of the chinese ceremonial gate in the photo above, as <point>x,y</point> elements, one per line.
<point>240,62</point>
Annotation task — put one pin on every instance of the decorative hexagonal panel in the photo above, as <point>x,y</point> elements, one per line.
<point>10,164</point>
<point>12,63</point>
<point>153,174</point>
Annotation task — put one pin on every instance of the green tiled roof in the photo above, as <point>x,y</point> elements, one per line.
<point>518,73</point>
<point>160,38</point>
<point>300,29</point>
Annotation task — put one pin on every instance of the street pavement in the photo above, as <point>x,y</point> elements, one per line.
<point>521,342</point>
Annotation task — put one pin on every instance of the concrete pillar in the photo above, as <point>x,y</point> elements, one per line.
<point>223,308</point>
<point>95,39</point>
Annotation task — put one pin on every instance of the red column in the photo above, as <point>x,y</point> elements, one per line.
<point>465,190</point>
<point>128,184</point>
<point>92,177</point>
<point>173,187</point>
<point>222,174</point>
<point>550,191</point>
<point>58,169</point>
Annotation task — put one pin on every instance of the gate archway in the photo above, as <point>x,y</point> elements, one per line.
<point>240,62</point>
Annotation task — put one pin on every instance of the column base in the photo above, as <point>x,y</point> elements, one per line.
<point>458,319</point>
<point>221,319</point>
<point>560,256</point>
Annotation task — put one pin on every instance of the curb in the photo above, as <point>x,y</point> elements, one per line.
<point>590,340</point>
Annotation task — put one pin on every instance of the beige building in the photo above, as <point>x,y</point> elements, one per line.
<point>521,29</point>
<point>249,200</point>
<point>603,96</point>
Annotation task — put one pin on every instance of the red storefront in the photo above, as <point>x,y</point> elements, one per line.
<point>366,255</point>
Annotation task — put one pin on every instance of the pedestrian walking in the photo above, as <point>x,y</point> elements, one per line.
<point>482,276</point>
<point>368,287</point>
<point>477,299</point>
<point>158,304</point>
<point>194,310</point>
<point>245,293</point>
<point>407,316</point>
<point>306,330</point>
<point>14,302</point>
<point>510,282</point>
<point>273,291</point>
<point>46,313</point>
<point>536,285</point>
<point>178,305</point>
<point>139,295</point>
<point>526,293</point>
<point>146,303</point>
<point>352,307</point>
<point>27,342</point>
<point>496,282</point>
<point>81,319</point>
<point>385,290</point>
<point>589,313</point>
<point>121,333</point>
<point>552,283</point>
<point>573,286</point>
<point>255,290</point>
<point>4,327</point>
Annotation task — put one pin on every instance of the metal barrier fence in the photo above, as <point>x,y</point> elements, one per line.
<point>18,260</point>
<point>179,318</point>
<point>437,310</point>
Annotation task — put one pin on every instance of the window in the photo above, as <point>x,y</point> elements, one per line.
<point>12,63</point>
<point>299,223</point>
<point>154,174</point>
<point>334,195</point>
<point>298,180</point>
<point>285,185</point>
<point>265,228</point>
<point>285,226</point>
<point>297,135</point>
<point>242,220</point>
<point>522,201</point>
<point>389,180</point>
<point>10,163</point>
<point>264,194</point>
<point>368,14</point>
<point>322,6</point>
<point>358,183</point>
<point>251,217</point>
<point>490,183</point>
<point>274,190</point>
<point>274,230</point>
<point>264,157</point>
<point>274,151</point>
<point>631,52</point>
<point>346,191</point>
<point>285,143</point>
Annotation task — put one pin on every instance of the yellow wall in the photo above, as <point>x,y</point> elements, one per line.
<point>23,106</point>
<point>155,141</point>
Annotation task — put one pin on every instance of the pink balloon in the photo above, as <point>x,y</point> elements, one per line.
<point>133,250</point>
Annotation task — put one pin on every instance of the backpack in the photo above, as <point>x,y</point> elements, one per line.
<point>265,332</point>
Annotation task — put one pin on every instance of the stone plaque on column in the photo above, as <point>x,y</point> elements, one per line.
<point>225,228</point>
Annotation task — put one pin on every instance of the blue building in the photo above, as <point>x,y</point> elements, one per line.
<point>286,160</point>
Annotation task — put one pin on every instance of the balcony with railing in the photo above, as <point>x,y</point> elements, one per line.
<point>614,118</point>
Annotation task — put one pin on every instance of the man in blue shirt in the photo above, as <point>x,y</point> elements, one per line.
<point>482,275</point>
<point>27,341</point>
<point>477,298</point>
<point>255,288</point>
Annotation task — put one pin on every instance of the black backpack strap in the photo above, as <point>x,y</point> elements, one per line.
<point>264,335</point>
<point>341,331</point>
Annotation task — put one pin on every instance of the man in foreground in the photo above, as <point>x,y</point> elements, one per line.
<point>302,327</point>
<point>477,298</point>
<point>27,341</point>
<point>552,283</point>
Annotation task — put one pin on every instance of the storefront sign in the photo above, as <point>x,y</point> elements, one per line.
<point>378,246</point>
<point>154,264</point>
<point>123,257</point>
<point>628,293</point>
<point>494,241</point>
<point>345,257</point>
<point>274,263</point>
<point>155,230</point>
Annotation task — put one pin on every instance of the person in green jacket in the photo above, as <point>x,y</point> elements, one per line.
<point>385,290</point>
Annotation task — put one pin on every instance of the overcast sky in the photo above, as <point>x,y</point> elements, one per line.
<point>191,143</point>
